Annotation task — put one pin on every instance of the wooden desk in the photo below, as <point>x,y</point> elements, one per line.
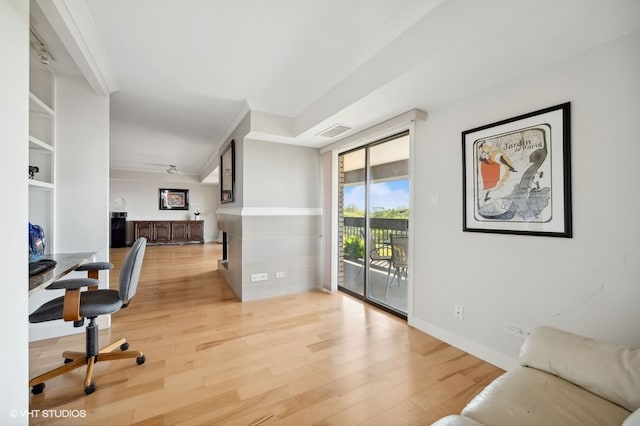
<point>67,262</point>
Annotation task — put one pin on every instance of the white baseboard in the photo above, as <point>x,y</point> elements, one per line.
<point>472,347</point>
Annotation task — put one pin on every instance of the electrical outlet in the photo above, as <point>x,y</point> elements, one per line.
<point>516,330</point>
<point>279,274</point>
<point>259,277</point>
<point>458,312</point>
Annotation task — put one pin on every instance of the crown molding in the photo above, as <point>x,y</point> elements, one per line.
<point>73,23</point>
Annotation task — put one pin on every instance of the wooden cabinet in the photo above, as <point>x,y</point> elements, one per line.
<point>170,232</point>
<point>180,232</point>
<point>162,232</point>
<point>196,230</point>
<point>143,229</point>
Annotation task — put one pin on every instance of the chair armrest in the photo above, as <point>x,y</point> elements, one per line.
<point>95,266</point>
<point>72,284</point>
<point>93,269</point>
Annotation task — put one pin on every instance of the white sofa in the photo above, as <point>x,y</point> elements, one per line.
<point>563,379</point>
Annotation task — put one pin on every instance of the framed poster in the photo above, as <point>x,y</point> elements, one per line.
<point>517,175</point>
<point>173,199</point>
<point>227,173</point>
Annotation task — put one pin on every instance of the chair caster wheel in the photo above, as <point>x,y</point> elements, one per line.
<point>90,389</point>
<point>124,346</point>
<point>37,388</point>
<point>141,359</point>
<point>67,360</point>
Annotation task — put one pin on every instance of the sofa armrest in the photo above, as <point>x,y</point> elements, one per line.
<point>609,371</point>
<point>457,420</point>
<point>633,419</point>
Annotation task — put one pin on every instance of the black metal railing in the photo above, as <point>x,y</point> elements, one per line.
<point>381,232</point>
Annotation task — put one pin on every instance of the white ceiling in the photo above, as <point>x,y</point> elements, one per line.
<point>187,69</point>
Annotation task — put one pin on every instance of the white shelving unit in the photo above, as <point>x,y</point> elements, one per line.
<point>42,122</point>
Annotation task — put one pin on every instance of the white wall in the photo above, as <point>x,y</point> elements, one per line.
<point>328,266</point>
<point>587,284</point>
<point>279,175</point>
<point>82,185</point>
<point>281,226</point>
<point>14,131</point>
<point>273,226</point>
<point>82,168</point>
<point>228,217</point>
<point>140,191</point>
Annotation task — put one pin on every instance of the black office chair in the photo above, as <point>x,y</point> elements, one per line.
<point>76,306</point>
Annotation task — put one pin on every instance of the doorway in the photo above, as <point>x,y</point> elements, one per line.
<point>373,217</point>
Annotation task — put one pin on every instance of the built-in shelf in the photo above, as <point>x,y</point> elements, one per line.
<point>35,143</point>
<point>42,147</point>
<point>38,106</point>
<point>40,184</point>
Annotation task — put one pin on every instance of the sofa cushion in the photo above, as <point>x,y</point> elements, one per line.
<point>610,371</point>
<point>526,396</point>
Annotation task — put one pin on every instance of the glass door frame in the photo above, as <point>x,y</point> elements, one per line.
<point>367,222</point>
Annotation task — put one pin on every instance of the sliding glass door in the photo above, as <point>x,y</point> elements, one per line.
<point>374,221</point>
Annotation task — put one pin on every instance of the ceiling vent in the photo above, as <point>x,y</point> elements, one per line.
<point>334,131</point>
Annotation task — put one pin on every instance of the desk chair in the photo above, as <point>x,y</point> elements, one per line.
<point>93,271</point>
<point>76,306</point>
<point>399,259</point>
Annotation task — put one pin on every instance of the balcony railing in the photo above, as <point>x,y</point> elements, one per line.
<point>381,232</point>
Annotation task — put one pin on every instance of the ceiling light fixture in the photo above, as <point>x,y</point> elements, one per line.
<point>173,170</point>
<point>40,47</point>
<point>44,57</point>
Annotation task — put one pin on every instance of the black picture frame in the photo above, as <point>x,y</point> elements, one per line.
<point>227,173</point>
<point>173,199</point>
<point>516,175</point>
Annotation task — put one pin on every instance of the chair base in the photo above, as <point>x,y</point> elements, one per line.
<point>74,360</point>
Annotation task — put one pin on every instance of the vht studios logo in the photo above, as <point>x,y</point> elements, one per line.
<point>51,414</point>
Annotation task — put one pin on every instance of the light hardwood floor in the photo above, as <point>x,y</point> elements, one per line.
<point>313,358</point>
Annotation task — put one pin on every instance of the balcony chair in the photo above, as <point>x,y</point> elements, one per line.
<point>375,255</point>
<point>399,261</point>
<point>76,306</point>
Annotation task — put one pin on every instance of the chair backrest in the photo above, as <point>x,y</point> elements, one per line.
<point>130,272</point>
<point>399,246</point>
<point>375,252</point>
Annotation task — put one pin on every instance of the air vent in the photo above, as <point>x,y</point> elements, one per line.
<point>334,131</point>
